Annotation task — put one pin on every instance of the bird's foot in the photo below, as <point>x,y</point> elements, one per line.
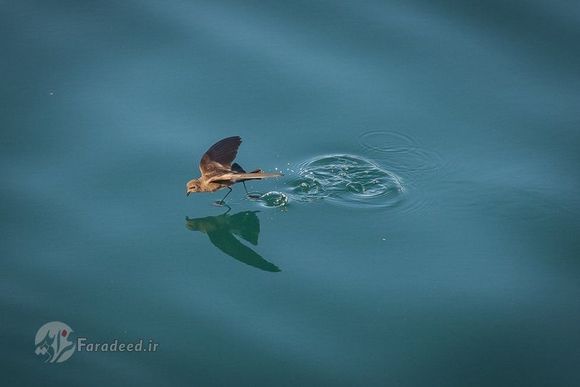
<point>219,203</point>
<point>253,195</point>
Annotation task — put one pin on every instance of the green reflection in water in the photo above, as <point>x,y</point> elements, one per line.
<point>222,231</point>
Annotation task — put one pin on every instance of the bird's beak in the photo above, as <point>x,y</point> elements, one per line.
<point>187,193</point>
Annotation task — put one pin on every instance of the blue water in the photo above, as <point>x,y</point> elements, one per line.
<point>425,231</point>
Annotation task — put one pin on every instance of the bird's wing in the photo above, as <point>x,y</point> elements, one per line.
<point>220,156</point>
<point>224,176</point>
<point>228,243</point>
<point>246,225</point>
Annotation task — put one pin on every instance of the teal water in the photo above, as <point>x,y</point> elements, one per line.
<point>425,232</point>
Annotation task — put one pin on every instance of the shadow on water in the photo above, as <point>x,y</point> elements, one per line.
<point>222,231</point>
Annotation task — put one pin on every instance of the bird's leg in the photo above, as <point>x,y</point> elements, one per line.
<point>221,202</point>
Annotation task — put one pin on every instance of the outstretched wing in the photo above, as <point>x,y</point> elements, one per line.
<point>220,156</point>
<point>246,225</point>
<point>228,243</point>
<point>234,177</point>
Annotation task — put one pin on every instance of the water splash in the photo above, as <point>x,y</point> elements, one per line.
<point>273,199</point>
<point>346,180</point>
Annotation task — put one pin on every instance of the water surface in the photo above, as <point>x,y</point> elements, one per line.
<point>425,232</point>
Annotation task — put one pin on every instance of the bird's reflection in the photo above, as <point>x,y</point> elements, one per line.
<point>222,231</point>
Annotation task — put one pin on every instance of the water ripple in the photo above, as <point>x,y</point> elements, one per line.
<point>402,153</point>
<point>347,180</point>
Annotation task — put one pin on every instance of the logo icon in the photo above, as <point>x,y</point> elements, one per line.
<point>52,342</point>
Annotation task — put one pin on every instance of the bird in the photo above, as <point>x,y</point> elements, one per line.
<point>218,170</point>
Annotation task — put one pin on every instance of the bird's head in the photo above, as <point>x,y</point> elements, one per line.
<point>192,186</point>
